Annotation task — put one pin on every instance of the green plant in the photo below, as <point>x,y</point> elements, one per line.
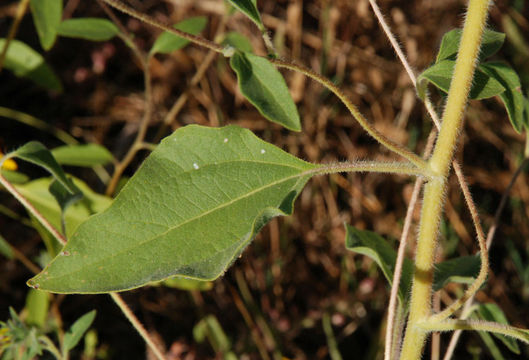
<point>210,191</point>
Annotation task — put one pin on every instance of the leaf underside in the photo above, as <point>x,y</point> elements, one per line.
<point>190,210</point>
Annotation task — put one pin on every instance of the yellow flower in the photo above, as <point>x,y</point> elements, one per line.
<point>9,164</point>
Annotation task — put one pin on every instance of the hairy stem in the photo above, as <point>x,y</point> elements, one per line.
<point>420,308</point>
<point>137,325</point>
<point>476,325</point>
<point>370,129</point>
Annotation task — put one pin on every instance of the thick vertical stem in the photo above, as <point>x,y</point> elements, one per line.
<point>420,308</point>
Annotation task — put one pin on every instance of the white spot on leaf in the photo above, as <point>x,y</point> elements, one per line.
<point>225,140</point>
<point>64,253</point>
<point>195,165</point>
<point>263,151</point>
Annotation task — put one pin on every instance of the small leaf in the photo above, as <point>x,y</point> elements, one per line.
<point>249,8</point>
<point>440,74</point>
<point>77,330</point>
<point>463,270</point>
<point>491,42</point>
<point>37,193</point>
<point>238,41</point>
<point>37,303</point>
<point>182,283</point>
<point>47,17</point>
<point>190,210</point>
<point>23,61</point>
<point>492,312</point>
<point>512,97</point>
<point>265,88</point>
<point>87,155</point>
<point>36,153</point>
<point>5,248</point>
<point>15,177</point>
<point>375,247</point>
<point>93,29</point>
<point>168,42</point>
<point>210,327</point>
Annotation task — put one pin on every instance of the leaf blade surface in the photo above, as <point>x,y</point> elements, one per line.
<point>265,88</point>
<point>190,210</point>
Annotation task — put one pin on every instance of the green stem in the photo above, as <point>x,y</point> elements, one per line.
<point>477,325</point>
<point>402,168</point>
<point>370,129</point>
<point>420,308</point>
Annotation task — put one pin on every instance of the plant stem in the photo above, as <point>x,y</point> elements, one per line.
<point>402,168</point>
<point>476,325</point>
<point>151,21</point>
<point>137,325</point>
<point>370,129</point>
<point>420,308</point>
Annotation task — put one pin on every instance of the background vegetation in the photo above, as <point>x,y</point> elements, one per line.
<point>296,291</point>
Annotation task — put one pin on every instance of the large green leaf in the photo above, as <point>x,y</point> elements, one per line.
<point>190,210</point>
<point>47,17</point>
<point>82,155</point>
<point>512,97</point>
<point>26,62</point>
<point>93,29</point>
<point>376,247</point>
<point>168,42</point>
<point>491,42</point>
<point>265,88</point>
<point>249,8</point>
<point>440,74</point>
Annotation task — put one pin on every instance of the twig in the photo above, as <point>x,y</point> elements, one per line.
<point>490,236</point>
<point>137,325</point>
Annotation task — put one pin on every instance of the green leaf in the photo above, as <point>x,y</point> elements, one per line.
<point>23,61</point>
<point>93,29</point>
<point>168,42</point>
<point>492,41</point>
<point>5,248</point>
<point>37,193</point>
<point>375,247</point>
<point>249,8</point>
<point>182,283</point>
<point>462,270</point>
<point>238,41</point>
<point>265,88</point>
<point>190,210</point>
<point>77,330</point>
<point>36,153</point>
<point>440,74</point>
<point>210,327</point>
<point>47,17</point>
<point>512,97</point>
<point>87,155</point>
<point>492,312</point>
<point>37,304</point>
<point>15,177</point>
